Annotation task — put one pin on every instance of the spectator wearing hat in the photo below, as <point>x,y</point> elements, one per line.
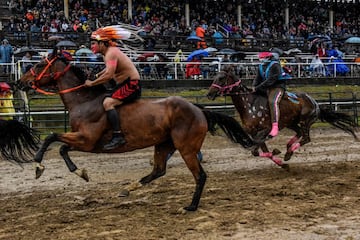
<point>6,51</point>
<point>6,104</point>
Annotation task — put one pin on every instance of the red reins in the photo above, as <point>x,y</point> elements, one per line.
<point>228,88</point>
<point>54,76</point>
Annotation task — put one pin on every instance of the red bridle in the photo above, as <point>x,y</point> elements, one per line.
<point>223,90</point>
<point>53,75</point>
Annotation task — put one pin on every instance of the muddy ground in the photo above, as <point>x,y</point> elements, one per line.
<point>244,198</point>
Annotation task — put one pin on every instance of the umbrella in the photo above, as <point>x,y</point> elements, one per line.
<point>193,38</point>
<point>4,87</point>
<point>22,51</point>
<point>237,56</point>
<point>163,57</point>
<point>84,52</point>
<point>143,57</point>
<point>292,51</point>
<point>211,49</point>
<point>66,43</point>
<point>277,50</point>
<point>56,38</point>
<point>197,53</point>
<point>226,51</point>
<point>353,40</point>
<point>312,37</point>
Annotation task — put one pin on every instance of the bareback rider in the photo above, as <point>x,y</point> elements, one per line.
<point>122,70</point>
<point>268,80</point>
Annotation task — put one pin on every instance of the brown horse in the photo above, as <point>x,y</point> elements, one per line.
<point>297,112</point>
<point>18,142</point>
<point>168,124</point>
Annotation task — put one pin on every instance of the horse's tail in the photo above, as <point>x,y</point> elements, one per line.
<point>339,120</point>
<point>230,126</point>
<point>18,142</point>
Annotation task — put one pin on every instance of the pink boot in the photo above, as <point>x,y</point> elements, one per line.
<point>274,130</point>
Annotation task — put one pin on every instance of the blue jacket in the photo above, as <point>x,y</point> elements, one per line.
<point>272,80</point>
<point>6,51</point>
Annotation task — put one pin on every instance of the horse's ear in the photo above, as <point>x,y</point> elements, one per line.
<point>230,68</point>
<point>54,52</point>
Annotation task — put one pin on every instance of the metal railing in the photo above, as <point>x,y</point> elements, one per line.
<point>47,114</point>
<point>209,67</point>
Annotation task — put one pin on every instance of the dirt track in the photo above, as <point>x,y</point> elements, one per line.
<point>244,198</point>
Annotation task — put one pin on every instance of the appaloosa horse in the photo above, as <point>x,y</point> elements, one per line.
<point>298,111</point>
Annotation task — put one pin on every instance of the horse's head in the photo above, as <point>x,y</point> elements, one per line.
<point>45,73</point>
<point>223,83</point>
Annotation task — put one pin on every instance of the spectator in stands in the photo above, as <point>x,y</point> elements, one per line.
<point>6,52</point>
<point>317,67</point>
<point>27,64</point>
<point>6,104</point>
<point>192,69</point>
<point>200,32</point>
<point>321,51</point>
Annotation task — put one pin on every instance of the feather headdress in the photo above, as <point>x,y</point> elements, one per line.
<point>111,33</point>
<point>117,33</point>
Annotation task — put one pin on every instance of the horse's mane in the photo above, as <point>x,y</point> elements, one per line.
<point>81,75</point>
<point>230,70</point>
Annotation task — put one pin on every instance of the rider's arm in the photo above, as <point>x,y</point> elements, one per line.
<point>257,80</point>
<point>100,73</point>
<point>273,77</point>
<point>107,74</point>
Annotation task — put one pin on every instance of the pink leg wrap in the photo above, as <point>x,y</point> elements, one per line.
<point>266,154</point>
<point>294,147</point>
<point>274,129</point>
<point>293,140</point>
<point>277,161</point>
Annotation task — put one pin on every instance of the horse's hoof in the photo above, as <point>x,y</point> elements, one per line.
<point>286,167</point>
<point>124,193</point>
<point>83,174</point>
<point>276,152</point>
<point>39,169</point>
<point>288,156</point>
<point>191,208</point>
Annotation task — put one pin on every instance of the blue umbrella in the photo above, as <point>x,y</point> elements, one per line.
<point>197,53</point>
<point>312,37</point>
<point>353,40</point>
<point>193,38</point>
<point>226,51</point>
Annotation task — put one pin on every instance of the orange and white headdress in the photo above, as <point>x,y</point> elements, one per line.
<point>111,33</point>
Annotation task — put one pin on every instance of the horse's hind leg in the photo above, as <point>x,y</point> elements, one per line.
<point>301,138</point>
<point>191,160</point>
<point>64,152</point>
<point>160,156</point>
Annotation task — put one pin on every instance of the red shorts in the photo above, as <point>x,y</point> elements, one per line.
<point>127,91</point>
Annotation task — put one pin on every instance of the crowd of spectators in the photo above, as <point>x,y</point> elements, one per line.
<point>261,19</point>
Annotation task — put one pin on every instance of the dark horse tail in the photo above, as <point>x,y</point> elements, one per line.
<point>339,120</point>
<point>230,126</point>
<point>18,142</point>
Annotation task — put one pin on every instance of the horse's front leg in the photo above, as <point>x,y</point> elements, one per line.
<point>39,168</point>
<point>72,140</point>
<point>271,155</point>
<point>64,152</point>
